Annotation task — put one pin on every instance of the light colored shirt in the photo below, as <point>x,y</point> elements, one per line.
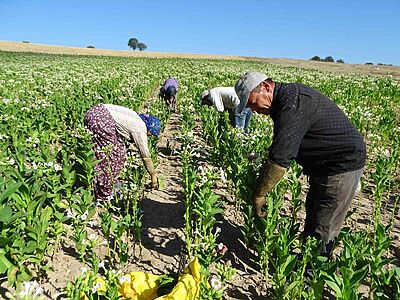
<point>224,98</point>
<point>130,126</point>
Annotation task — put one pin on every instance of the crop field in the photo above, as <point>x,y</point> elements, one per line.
<point>57,242</point>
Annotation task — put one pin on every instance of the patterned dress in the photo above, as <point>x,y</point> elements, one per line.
<point>108,147</point>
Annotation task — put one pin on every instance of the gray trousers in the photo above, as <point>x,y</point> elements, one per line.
<point>327,204</point>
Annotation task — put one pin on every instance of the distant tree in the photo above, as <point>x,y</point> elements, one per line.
<point>133,43</point>
<point>329,59</point>
<point>141,46</point>
<point>340,61</point>
<point>26,42</point>
<point>316,58</point>
<point>369,64</point>
<point>91,47</point>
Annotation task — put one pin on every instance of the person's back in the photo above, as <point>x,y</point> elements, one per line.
<point>168,92</point>
<point>224,98</point>
<point>171,81</point>
<point>312,129</point>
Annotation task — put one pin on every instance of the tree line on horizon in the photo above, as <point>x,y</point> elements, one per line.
<point>330,59</point>
<point>135,44</point>
<point>327,59</point>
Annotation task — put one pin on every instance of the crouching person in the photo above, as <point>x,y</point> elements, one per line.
<point>225,98</point>
<point>168,92</point>
<point>109,125</point>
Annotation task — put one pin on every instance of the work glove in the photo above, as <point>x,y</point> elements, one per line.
<point>148,163</point>
<point>154,182</point>
<point>269,176</point>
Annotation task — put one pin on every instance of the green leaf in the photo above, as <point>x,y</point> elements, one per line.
<point>12,274</point>
<point>5,264</point>
<point>335,287</point>
<point>291,287</point>
<point>5,214</point>
<point>358,276</point>
<point>10,190</point>
<point>289,264</point>
<point>30,247</point>
<point>4,241</point>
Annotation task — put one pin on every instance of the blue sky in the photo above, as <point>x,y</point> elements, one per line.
<point>356,31</point>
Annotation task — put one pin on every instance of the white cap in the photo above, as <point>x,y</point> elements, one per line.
<point>203,94</point>
<point>246,84</point>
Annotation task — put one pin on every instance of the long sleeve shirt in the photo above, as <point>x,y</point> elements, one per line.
<point>311,129</point>
<point>224,98</point>
<point>130,126</point>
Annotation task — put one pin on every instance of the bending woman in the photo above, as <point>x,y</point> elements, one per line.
<point>109,124</point>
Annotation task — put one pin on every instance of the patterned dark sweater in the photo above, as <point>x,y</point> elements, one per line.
<point>311,129</point>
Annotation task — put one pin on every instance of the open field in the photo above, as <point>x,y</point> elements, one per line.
<point>54,232</point>
<point>331,67</point>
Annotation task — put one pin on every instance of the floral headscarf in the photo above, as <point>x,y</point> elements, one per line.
<point>152,123</point>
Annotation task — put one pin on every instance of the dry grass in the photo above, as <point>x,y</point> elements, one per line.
<point>393,71</point>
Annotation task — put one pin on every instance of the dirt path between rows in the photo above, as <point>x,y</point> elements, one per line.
<point>163,210</point>
<point>163,222</point>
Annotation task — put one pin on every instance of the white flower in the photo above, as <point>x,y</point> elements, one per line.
<point>215,282</point>
<point>96,287</point>
<point>386,153</point>
<point>123,279</point>
<point>102,264</point>
<point>84,216</point>
<point>222,174</point>
<point>31,288</point>
<point>38,292</point>
<point>83,270</point>
<point>27,288</point>
<point>92,237</point>
<point>217,230</point>
<point>57,167</point>
<point>70,214</point>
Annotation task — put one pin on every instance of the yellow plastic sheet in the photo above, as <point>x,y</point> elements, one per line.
<point>143,286</point>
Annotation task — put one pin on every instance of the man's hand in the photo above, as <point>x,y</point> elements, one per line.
<point>269,176</point>
<point>259,206</point>
<point>154,182</point>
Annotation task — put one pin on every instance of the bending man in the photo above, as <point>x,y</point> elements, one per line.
<point>225,98</point>
<point>312,130</point>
